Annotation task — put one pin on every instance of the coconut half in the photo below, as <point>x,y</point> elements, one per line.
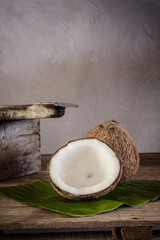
<point>84,169</point>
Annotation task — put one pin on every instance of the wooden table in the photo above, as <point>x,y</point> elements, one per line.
<point>21,221</point>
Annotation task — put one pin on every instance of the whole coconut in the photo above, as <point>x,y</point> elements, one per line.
<point>116,136</point>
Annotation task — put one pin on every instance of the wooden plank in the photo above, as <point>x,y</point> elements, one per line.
<point>32,111</point>
<point>15,215</point>
<point>65,236</point>
<point>19,148</point>
<point>132,233</point>
<point>60,236</point>
<point>156,235</point>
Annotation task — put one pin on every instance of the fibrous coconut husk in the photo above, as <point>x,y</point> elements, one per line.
<point>116,136</point>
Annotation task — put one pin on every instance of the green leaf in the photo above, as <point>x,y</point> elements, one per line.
<point>42,194</point>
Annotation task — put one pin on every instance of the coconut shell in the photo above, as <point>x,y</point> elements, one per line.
<point>71,196</point>
<point>116,136</point>
<point>86,196</point>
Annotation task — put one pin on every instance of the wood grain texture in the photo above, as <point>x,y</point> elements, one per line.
<point>60,236</point>
<point>19,148</point>
<point>65,236</point>
<point>15,215</point>
<point>132,233</point>
<point>32,111</point>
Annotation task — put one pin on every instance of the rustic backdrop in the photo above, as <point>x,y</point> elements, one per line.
<point>101,54</point>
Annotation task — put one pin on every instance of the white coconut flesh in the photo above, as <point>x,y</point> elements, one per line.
<point>84,166</point>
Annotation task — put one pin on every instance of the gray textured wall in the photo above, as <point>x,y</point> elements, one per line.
<point>101,54</point>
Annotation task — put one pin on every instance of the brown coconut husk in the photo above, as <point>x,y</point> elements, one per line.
<point>116,136</point>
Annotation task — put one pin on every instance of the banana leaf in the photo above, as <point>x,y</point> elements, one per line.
<point>41,194</point>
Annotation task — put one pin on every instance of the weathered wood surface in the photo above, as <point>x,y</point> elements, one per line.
<point>19,148</point>
<point>20,136</point>
<point>60,236</point>
<point>132,233</point>
<point>32,111</point>
<point>15,215</point>
<point>66,236</point>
